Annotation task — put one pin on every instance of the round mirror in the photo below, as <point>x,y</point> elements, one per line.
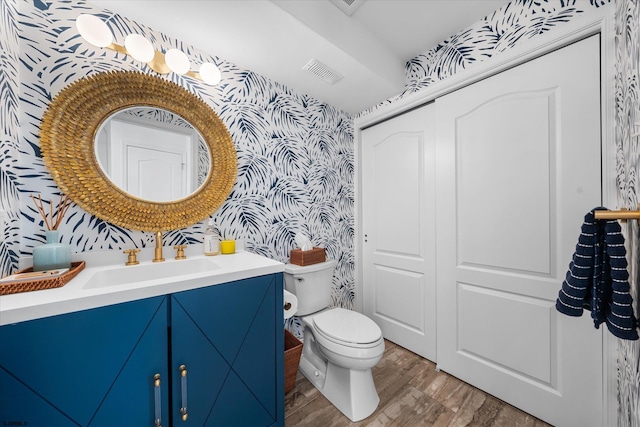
<point>152,154</point>
<point>80,113</point>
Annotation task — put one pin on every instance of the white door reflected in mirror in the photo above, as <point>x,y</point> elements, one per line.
<point>152,154</point>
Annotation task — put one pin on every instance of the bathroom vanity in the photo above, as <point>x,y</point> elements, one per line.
<point>200,344</point>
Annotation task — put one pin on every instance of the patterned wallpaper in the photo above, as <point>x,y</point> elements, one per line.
<point>504,29</point>
<point>295,153</point>
<point>628,166</point>
<point>9,150</point>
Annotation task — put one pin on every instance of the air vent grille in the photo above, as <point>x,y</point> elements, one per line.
<point>323,71</point>
<point>348,7</point>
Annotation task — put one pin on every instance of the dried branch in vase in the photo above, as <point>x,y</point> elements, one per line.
<point>52,220</point>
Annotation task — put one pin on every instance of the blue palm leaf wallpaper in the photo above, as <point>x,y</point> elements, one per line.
<point>270,125</point>
<point>245,121</point>
<point>506,28</point>
<point>628,169</point>
<point>9,141</point>
<point>292,159</point>
<point>295,153</point>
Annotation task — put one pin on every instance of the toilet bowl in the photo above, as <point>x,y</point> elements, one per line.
<point>340,346</point>
<point>348,338</point>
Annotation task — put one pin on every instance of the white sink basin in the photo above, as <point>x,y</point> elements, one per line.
<point>140,273</point>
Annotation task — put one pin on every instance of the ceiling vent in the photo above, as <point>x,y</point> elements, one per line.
<point>347,6</point>
<point>323,71</point>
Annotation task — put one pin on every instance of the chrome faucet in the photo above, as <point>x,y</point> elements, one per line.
<point>158,254</point>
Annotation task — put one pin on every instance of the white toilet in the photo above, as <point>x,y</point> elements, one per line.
<point>340,346</point>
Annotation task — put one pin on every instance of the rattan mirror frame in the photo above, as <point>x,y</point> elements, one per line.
<point>67,134</point>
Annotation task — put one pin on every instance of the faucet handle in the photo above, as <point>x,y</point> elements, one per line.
<point>180,254</point>
<point>132,260</point>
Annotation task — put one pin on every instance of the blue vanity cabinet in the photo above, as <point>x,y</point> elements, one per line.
<point>229,338</point>
<point>96,368</point>
<point>88,368</point>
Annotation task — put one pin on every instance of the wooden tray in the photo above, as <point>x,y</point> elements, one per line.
<point>39,284</point>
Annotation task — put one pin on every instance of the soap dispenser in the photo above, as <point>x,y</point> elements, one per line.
<point>211,240</point>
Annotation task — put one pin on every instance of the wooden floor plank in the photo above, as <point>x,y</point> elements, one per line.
<point>412,394</point>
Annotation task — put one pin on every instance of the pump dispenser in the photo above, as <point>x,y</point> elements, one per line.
<point>211,240</point>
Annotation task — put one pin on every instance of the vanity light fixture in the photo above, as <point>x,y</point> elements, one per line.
<point>97,32</point>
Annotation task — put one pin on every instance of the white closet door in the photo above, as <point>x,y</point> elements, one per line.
<point>518,166</point>
<point>398,227</point>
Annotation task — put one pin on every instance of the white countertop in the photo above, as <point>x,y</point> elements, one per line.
<point>78,293</point>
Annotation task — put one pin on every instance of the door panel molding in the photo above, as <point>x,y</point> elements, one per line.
<point>510,315</point>
<point>481,180</point>
<point>403,303</point>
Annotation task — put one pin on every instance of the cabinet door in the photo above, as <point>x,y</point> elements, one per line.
<point>229,337</point>
<point>89,368</point>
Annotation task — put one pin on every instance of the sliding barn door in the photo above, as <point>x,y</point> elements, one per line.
<point>518,166</point>
<point>398,227</point>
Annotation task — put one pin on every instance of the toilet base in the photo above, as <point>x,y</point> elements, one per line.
<point>351,391</point>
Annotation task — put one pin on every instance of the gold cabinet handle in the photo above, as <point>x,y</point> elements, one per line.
<point>183,387</point>
<point>158,400</point>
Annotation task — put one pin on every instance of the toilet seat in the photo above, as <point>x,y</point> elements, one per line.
<point>327,330</point>
<point>346,327</point>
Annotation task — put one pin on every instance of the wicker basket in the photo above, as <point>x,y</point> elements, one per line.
<point>39,284</point>
<point>313,256</point>
<point>292,352</point>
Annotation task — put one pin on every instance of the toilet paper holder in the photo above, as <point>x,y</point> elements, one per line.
<point>290,304</point>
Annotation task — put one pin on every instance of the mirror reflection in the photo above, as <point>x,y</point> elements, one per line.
<point>152,154</point>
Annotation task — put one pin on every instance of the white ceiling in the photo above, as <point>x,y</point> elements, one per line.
<point>276,38</point>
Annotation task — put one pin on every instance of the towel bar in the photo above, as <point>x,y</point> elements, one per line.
<point>623,214</point>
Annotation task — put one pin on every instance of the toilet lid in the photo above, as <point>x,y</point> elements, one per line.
<point>347,326</point>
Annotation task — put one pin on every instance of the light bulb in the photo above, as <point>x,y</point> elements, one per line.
<point>139,47</point>
<point>94,30</point>
<point>177,61</point>
<point>210,74</point>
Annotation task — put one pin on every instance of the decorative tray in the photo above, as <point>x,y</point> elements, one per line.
<point>42,283</point>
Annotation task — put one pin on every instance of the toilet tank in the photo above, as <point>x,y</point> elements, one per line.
<point>311,284</point>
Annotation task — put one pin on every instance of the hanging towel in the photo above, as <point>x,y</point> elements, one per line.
<point>598,279</point>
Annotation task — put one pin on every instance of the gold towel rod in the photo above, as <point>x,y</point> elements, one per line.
<point>623,214</point>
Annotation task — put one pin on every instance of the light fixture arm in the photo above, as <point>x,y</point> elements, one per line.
<point>158,64</point>
<point>117,48</point>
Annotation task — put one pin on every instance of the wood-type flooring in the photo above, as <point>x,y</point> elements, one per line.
<point>412,394</point>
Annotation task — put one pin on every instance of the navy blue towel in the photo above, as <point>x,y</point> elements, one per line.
<point>598,279</point>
